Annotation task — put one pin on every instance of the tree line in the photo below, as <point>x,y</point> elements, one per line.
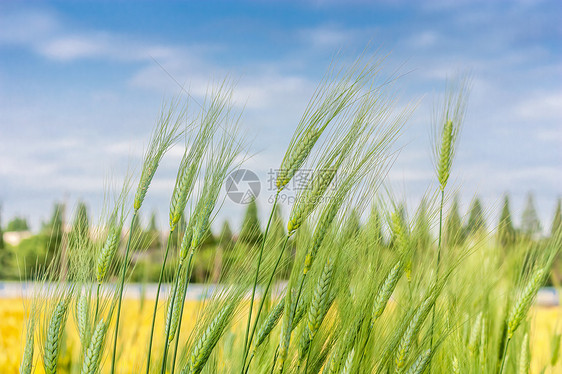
<point>25,260</point>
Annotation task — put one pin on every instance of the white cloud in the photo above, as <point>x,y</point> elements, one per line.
<point>72,48</point>
<point>26,27</point>
<point>327,36</point>
<point>424,39</point>
<point>541,106</point>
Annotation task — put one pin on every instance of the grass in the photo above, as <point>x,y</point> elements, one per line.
<point>377,297</point>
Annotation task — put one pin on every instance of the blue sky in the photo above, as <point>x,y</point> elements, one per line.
<point>80,89</point>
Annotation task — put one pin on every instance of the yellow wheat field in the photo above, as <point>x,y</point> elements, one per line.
<point>135,326</point>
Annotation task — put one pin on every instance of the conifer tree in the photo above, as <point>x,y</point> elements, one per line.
<point>251,230</point>
<point>225,237</point>
<point>277,229</point>
<point>556,228</point>
<point>453,226</point>
<point>506,231</point>
<point>53,229</point>
<point>530,224</point>
<point>154,236</point>
<point>79,234</point>
<point>476,221</point>
<point>17,224</point>
<point>1,231</point>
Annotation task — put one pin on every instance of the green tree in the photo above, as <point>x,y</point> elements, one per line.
<point>32,258</point>
<point>5,254</point>
<point>251,229</point>
<point>476,222</point>
<point>277,228</point>
<point>556,228</point>
<point>1,232</point>
<point>154,232</point>
<point>140,239</point>
<point>453,232</point>
<point>506,231</point>
<point>225,237</point>
<point>80,232</point>
<point>530,224</point>
<point>149,237</point>
<point>53,229</point>
<point>17,224</point>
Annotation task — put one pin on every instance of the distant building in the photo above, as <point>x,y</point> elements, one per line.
<point>15,237</point>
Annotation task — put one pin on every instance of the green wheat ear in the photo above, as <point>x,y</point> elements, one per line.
<point>455,366</point>
<point>175,308</point>
<point>445,154</point>
<point>92,357</point>
<point>386,290</point>
<point>54,335</point>
<point>520,309</point>
<point>108,251</point>
<point>270,322</point>
<point>412,331</point>
<point>206,343</point>
<point>319,306</point>
<point>311,198</point>
<point>163,137</point>
<point>82,318</point>
<point>524,358</point>
<point>419,366</point>
<point>286,330</point>
<point>296,157</point>
<point>473,341</point>
<point>26,365</point>
<point>348,365</point>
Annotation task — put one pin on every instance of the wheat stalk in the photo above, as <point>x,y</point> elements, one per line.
<point>524,358</point>
<point>473,341</point>
<point>108,251</point>
<point>419,366</point>
<point>386,290</point>
<point>319,306</point>
<point>520,309</point>
<point>174,308</point>
<point>163,137</point>
<point>82,318</point>
<point>483,346</point>
<point>294,160</point>
<point>348,365</point>
<point>26,366</point>
<point>270,322</point>
<point>411,332</point>
<point>455,366</point>
<point>286,329</point>
<point>312,196</point>
<point>54,335</point>
<point>445,154</point>
<point>93,354</point>
<point>205,344</point>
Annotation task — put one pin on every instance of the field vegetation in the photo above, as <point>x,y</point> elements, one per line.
<point>352,281</point>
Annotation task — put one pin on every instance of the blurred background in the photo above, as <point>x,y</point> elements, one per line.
<point>82,83</point>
